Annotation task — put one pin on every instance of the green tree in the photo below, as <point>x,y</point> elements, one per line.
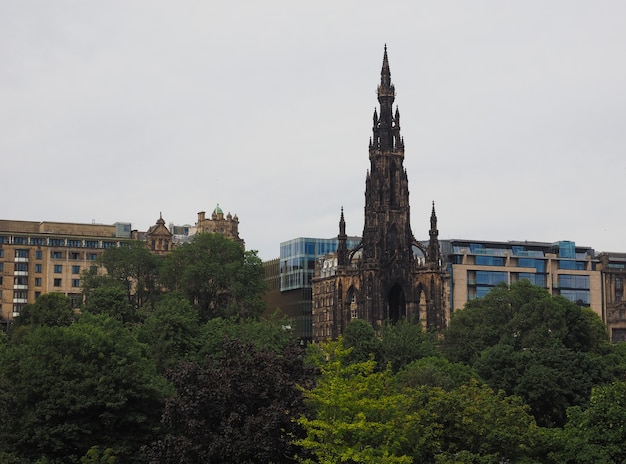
<point>525,317</point>
<point>130,268</point>
<point>403,342</point>
<point>435,371</point>
<point>266,334</point>
<point>596,433</point>
<point>545,349</point>
<point>362,340</point>
<point>66,389</point>
<point>50,309</point>
<point>355,415</point>
<point>111,300</point>
<point>135,268</point>
<point>218,276</point>
<point>477,424</point>
<point>171,331</point>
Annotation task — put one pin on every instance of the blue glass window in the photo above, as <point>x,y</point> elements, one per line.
<point>574,281</point>
<point>490,277</point>
<point>489,261</point>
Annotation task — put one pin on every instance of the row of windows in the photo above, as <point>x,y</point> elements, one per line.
<point>57,242</point>
<point>574,281</point>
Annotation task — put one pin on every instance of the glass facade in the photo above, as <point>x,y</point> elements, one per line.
<point>298,258</point>
<point>517,261</point>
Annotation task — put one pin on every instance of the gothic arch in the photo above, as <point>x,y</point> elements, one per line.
<point>396,303</point>
<point>351,308</point>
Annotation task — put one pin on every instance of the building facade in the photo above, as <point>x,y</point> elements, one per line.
<point>389,275</point>
<point>563,268</point>
<point>290,276</point>
<point>227,226</point>
<point>613,269</point>
<point>44,257</point>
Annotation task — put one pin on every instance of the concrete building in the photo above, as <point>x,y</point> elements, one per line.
<point>563,268</point>
<point>43,257</point>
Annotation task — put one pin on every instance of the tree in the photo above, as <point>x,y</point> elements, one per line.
<point>50,310</point>
<point>403,342</point>
<point>434,371</point>
<point>66,389</point>
<point>545,349</point>
<point>358,413</point>
<point>235,406</point>
<point>362,340</point>
<point>111,300</point>
<point>135,268</point>
<point>171,331</point>
<point>525,317</point>
<point>475,424</point>
<point>597,433</point>
<point>218,276</point>
<point>354,413</point>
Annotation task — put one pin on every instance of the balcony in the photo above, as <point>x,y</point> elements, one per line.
<point>20,273</point>
<point>21,259</point>
<point>20,301</point>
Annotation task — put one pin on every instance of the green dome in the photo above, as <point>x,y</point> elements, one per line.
<point>218,210</point>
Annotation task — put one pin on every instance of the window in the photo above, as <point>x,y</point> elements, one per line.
<point>57,255</point>
<point>38,254</point>
<point>75,269</point>
<point>91,243</point>
<point>37,295</point>
<point>37,281</point>
<point>4,239</point>
<point>19,240</point>
<point>489,260</point>
<point>75,282</point>
<point>490,278</point>
<point>58,268</point>
<point>38,268</point>
<point>1,253</point>
<point>572,265</point>
<point>74,243</point>
<point>74,255</point>
<point>1,267</point>
<point>21,253</point>
<point>574,281</point>
<point>580,297</point>
<point>106,244</point>
<point>56,242</point>
<point>21,267</point>
<point>37,241</point>
<point>92,256</point>
<point>57,282</point>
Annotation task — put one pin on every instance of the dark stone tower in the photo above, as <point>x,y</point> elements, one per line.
<point>389,276</point>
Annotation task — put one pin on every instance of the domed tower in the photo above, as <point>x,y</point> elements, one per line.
<point>218,224</point>
<point>389,276</point>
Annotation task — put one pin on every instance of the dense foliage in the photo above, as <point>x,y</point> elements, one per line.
<point>167,361</point>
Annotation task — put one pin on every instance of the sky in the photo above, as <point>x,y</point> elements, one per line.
<point>513,114</point>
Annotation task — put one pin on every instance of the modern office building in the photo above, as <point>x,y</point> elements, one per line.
<point>289,279</point>
<point>562,268</point>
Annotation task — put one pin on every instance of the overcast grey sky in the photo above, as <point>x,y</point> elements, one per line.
<point>513,114</point>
